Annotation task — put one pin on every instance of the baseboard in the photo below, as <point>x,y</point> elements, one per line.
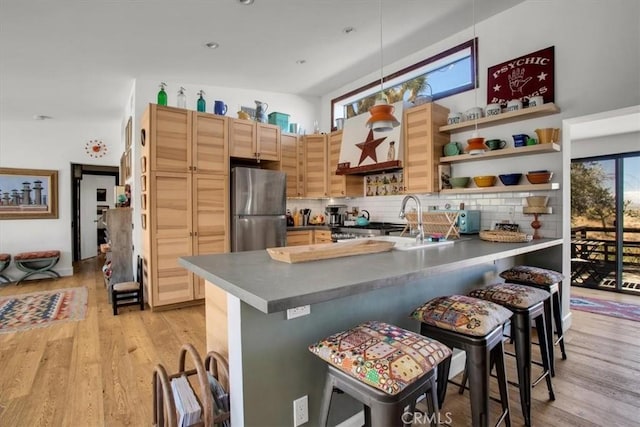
<point>457,366</point>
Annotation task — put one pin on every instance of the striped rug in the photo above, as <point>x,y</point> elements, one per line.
<point>607,308</point>
<point>41,309</point>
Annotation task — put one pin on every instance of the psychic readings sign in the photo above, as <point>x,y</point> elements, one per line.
<point>522,78</point>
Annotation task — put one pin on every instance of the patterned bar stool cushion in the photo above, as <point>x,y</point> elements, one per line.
<point>536,275</point>
<point>511,295</point>
<point>5,257</point>
<point>381,355</point>
<point>460,313</point>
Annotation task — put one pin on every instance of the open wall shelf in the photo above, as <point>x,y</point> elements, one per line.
<point>507,117</point>
<point>505,152</point>
<point>504,188</point>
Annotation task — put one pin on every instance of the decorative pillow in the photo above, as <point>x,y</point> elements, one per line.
<point>460,313</point>
<point>535,275</point>
<point>511,295</point>
<point>37,255</point>
<point>381,355</point>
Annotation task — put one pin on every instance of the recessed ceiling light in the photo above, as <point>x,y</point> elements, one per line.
<point>41,117</point>
<point>212,45</point>
<point>246,2</point>
<point>301,61</point>
<point>348,30</point>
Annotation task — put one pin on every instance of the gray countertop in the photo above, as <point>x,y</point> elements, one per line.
<point>272,286</point>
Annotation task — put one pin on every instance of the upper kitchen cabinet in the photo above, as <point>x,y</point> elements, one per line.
<point>316,157</point>
<point>179,140</point>
<point>341,185</point>
<point>423,145</point>
<point>251,140</point>
<point>291,164</point>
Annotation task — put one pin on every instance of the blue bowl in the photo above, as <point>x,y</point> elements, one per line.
<point>510,178</point>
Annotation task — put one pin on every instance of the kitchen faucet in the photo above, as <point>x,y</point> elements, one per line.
<point>420,236</point>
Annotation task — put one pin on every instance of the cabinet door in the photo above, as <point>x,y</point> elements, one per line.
<point>423,144</point>
<point>322,236</point>
<point>289,163</point>
<point>210,144</point>
<point>341,185</point>
<point>170,236</point>
<point>169,139</point>
<point>242,138</point>
<point>210,219</point>
<point>315,149</point>
<point>268,137</point>
<point>299,237</point>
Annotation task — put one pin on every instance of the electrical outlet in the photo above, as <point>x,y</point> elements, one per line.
<point>303,310</point>
<point>300,411</point>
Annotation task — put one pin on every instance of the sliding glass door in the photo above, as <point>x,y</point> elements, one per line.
<point>605,222</point>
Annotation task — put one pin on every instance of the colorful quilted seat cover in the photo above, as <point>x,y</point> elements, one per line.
<point>464,314</point>
<point>381,355</point>
<point>511,295</point>
<point>5,257</point>
<point>533,275</point>
<point>37,255</point>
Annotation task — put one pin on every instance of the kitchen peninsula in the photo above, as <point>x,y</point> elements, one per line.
<point>248,293</point>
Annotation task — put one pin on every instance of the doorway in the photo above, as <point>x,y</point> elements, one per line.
<point>605,222</point>
<point>91,192</point>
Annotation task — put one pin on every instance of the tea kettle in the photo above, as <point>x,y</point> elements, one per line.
<point>362,219</point>
<point>261,111</point>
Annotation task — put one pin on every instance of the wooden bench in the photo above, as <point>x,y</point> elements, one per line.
<point>5,260</point>
<point>37,262</point>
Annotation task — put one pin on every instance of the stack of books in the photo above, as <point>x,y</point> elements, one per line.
<point>187,405</point>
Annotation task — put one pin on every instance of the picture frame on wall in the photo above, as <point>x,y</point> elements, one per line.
<point>28,193</point>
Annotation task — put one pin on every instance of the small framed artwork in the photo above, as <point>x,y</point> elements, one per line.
<point>143,202</point>
<point>143,220</point>
<point>28,193</point>
<point>143,183</point>
<point>101,194</point>
<point>128,133</point>
<point>143,164</point>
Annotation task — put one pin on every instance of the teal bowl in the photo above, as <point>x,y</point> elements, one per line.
<point>459,181</point>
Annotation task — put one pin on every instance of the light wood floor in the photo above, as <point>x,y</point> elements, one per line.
<point>97,372</point>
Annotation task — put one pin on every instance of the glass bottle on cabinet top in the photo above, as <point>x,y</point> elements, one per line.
<point>182,98</point>
<point>202,105</point>
<point>162,95</point>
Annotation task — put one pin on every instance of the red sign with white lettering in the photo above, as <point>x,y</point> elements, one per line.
<point>522,78</point>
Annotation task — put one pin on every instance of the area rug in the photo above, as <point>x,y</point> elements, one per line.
<point>41,309</point>
<point>608,308</point>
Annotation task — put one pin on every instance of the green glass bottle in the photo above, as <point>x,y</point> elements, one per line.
<point>202,105</point>
<point>162,95</point>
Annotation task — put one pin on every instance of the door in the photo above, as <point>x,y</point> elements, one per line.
<point>605,207</point>
<point>96,193</point>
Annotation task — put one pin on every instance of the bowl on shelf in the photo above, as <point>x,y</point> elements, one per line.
<point>510,178</point>
<point>537,201</point>
<point>459,181</point>
<point>539,177</point>
<point>484,180</point>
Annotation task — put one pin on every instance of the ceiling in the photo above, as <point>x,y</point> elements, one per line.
<point>76,59</point>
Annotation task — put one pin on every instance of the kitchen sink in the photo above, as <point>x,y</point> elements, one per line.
<point>410,244</point>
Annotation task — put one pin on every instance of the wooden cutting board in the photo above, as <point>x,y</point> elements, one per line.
<point>294,254</point>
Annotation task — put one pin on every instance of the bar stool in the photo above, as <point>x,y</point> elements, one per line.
<point>5,260</point>
<point>475,326</point>
<point>527,305</point>
<point>548,280</point>
<point>385,367</point>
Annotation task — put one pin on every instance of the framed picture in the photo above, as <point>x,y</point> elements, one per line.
<point>28,193</point>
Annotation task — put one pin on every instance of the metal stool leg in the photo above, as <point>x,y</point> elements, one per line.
<point>479,385</point>
<point>541,325</point>
<point>325,406</point>
<point>501,373</point>
<point>522,325</point>
<point>557,316</point>
<point>548,318</point>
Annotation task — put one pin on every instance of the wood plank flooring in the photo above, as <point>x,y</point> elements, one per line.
<point>97,372</point>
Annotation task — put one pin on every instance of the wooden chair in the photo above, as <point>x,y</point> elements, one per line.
<point>129,293</point>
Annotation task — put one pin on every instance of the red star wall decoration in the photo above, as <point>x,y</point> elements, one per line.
<point>368,147</point>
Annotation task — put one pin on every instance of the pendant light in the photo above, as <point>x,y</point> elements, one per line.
<point>382,119</point>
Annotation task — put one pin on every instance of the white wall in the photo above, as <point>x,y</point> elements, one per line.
<point>54,145</point>
<point>89,210</point>
<point>604,145</point>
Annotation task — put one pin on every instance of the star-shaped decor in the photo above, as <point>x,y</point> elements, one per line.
<point>542,76</point>
<point>496,88</point>
<point>369,146</point>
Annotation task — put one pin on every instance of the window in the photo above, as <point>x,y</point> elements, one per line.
<point>445,74</point>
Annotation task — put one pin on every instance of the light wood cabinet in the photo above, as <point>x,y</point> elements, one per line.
<point>321,236</point>
<point>316,165</point>
<point>251,140</point>
<point>290,163</point>
<point>185,200</point>
<point>299,237</point>
<point>423,145</point>
<point>341,185</point>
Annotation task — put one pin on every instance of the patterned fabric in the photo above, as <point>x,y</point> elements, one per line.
<point>511,295</point>
<point>37,255</point>
<point>5,257</point>
<point>459,313</point>
<point>381,355</point>
<point>533,275</point>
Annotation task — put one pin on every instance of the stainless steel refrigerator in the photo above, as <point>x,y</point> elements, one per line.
<point>258,209</point>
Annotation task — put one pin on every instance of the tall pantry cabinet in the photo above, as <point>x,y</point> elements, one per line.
<point>184,188</point>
